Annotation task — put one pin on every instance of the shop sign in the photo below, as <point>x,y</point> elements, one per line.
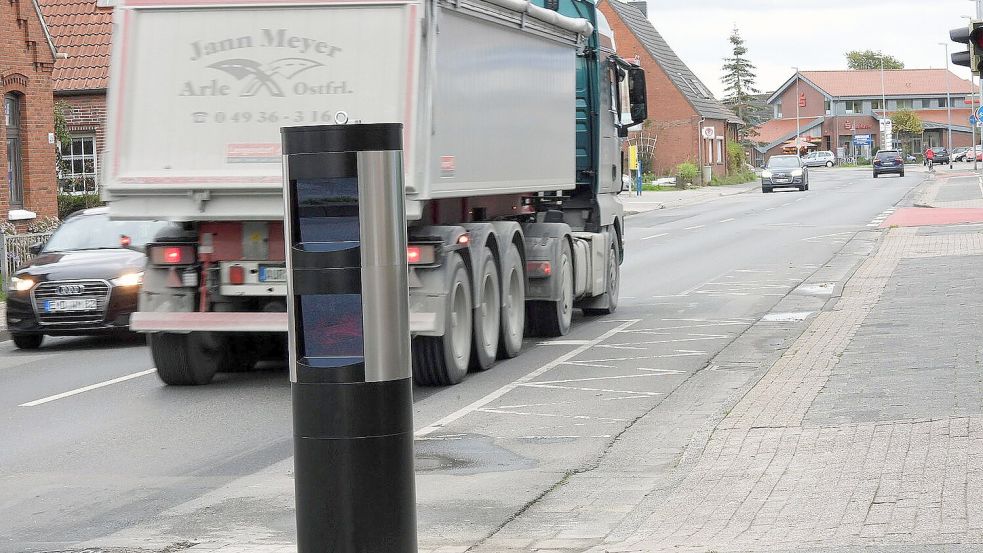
<point>856,126</point>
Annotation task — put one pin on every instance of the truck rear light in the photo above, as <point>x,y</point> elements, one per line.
<point>421,254</point>
<point>237,274</point>
<point>539,269</point>
<point>463,240</point>
<point>172,255</point>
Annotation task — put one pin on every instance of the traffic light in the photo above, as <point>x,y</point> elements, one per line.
<point>971,36</point>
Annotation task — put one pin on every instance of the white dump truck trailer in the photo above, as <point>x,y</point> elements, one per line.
<point>513,116</point>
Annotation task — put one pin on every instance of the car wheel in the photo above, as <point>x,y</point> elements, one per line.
<point>829,164</point>
<point>765,190</point>
<point>28,341</point>
<point>875,174</point>
<point>902,174</point>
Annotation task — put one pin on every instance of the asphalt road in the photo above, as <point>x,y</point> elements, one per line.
<point>97,452</point>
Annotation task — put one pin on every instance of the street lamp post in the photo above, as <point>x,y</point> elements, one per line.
<point>798,132</point>
<point>948,102</point>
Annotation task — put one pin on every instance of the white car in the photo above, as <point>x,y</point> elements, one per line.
<point>819,159</point>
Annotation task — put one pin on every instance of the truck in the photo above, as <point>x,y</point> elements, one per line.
<point>513,112</point>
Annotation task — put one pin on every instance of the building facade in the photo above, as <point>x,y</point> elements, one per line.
<point>840,111</point>
<point>27,155</point>
<point>82,29</point>
<point>681,108</point>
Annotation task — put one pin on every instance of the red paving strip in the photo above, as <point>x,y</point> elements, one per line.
<point>922,216</point>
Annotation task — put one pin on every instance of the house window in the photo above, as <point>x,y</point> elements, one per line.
<point>77,170</point>
<point>904,104</point>
<point>778,109</point>
<point>942,103</point>
<point>876,104</point>
<point>827,105</point>
<point>720,150</point>
<point>854,106</point>
<point>15,147</point>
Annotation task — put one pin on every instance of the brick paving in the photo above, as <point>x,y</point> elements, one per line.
<point>768,479</point>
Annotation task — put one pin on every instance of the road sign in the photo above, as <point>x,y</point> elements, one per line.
<point>979,113</point>
<point>862,140</point>
<point>709,132</point>
<point>972,119</point>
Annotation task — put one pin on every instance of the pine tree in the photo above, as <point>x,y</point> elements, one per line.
<point>739,87</point>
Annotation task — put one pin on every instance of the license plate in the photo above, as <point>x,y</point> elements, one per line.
<point>80,304</point>
<point>272,274</point>
<point>782,180</point>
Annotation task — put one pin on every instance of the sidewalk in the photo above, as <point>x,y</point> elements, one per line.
<point>652,200</point>
<point>866,433</point>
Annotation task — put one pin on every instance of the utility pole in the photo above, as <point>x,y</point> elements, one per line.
<point>948,101</point>
<point>884,107</point>
<point>798,132</point>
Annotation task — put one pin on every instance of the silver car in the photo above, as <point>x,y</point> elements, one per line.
<point>819,159</point>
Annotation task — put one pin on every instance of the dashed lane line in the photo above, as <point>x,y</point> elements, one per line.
<point>481,403</point>
<point>86,388</point>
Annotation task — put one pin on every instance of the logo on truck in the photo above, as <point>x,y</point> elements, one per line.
<point>259,77</point>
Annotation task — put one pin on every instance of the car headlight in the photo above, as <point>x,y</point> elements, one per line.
<point>766,174</point>
<point>21,284</point>
<point>796,172</point>
<point>129,279</point>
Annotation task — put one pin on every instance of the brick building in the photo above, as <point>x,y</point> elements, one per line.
<point>840,110</point>
<point>82,29</point>
<point>27,157</point>
<point>680,105</point>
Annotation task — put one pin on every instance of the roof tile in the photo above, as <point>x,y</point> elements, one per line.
<point>897,82</point>
<point>84,32</point>
<point>685,80</point>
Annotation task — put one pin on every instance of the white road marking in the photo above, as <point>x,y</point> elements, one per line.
<point>826,236</point>
<point>656,236</point>
<point>593,378</point>
<point>694,228</point>
<point>581,389</point>
<point>728,220</point>
<point>786,205</point>
<point>700,338</point>
<point>86,388</point>
<point>552,415</point>
<point>553,437</point>
<point>563,343</point>
<point>474,406</point>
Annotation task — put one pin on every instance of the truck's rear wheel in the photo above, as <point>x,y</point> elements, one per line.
<point>487,315</point>
<point>187,359</point>
<point>514,304</point>
<point>443,360</point>
<point>552,318</point>
<point>614,284</point>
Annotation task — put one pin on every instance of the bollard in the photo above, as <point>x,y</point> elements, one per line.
<point>348,306</point>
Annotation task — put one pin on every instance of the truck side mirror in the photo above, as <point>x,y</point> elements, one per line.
<point>637,95</point>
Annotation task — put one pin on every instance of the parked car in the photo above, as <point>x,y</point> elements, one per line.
<point>85,279</point>
<point>941,156</point>
<point>888,161</point>
<point>961,153</point>
<point>784,172</point>
<point>819,159</point>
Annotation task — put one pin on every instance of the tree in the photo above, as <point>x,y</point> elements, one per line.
<point>870,59</point>
<point>907,125</point>
<point>739,90</point>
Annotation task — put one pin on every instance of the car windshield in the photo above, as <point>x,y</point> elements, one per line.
<point>939,150</point>
<point>887,154</point>
<point>784,162</point>
<point>98,232</point>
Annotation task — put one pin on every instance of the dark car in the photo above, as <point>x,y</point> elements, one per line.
<point>784,172</point>
<point>84,281</point>
<point>888,161</point>
<point>941,156</point>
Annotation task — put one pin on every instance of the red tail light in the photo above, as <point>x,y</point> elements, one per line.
<point>172,255</point>
<point>421,254</point>
<point>237,274</point>
<point>539,269</point>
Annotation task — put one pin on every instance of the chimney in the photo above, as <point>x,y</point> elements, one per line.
<point>642,5</point>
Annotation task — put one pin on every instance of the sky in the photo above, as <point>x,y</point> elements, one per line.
<point>810,35</point>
